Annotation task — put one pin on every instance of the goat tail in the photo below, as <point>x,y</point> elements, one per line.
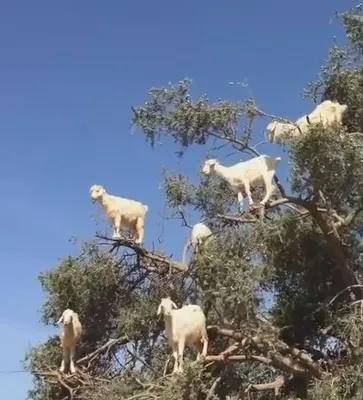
<point>274,162</point>
<point>146,208</point>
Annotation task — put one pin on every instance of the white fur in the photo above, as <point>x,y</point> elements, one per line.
<point>199,234</point>
<point>184,327</point>
<point>255,172</point>
<point>327,113</point>
<point>121,212</point>
<point>278,129</point>
<point>71,332</point>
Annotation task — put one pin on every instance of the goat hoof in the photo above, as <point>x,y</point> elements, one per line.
<point>255,207</point>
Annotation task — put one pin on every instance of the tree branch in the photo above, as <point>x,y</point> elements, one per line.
<point>112,342</point>
<point>213,388</point>
<point>81,379</point>
<point>348,219</point>
<point>245,219</point>
<point>299,364</point>
<point>334,241</point>
<point>275,386</point>
<point>332,236</point>
<point>156,259</point>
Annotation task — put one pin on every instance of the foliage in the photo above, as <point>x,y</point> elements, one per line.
<point>302,251</point>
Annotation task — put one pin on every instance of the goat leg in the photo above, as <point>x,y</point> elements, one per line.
<point>64,359</point>
<point>175,355</point>
<point>72,357</point>
<point>117,227</point>
<point>240,202</point>
<point>181,345</point>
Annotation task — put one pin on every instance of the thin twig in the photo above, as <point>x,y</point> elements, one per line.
<point>144,363</point>
<point>342,291</point>
<point>213,388</point>
<point>142,252</point>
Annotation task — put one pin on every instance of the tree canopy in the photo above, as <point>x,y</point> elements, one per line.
<point>303,253</point>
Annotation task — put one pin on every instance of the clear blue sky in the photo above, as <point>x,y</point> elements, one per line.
<point>69,73</point>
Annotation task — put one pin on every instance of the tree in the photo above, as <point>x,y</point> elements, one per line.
<point>304,250</point>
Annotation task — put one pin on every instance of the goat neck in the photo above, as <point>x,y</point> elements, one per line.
<point>169,326</point>
<point>105,201</point>
<point>220,170</point>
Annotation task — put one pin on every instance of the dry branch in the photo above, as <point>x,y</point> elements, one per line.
<point>106,347</point>
<point>213,388</point>
<point>83,378</point>
<point>246,219</point>
<point>275,386</point>
<point>272,352</point>
<point>153,261</point>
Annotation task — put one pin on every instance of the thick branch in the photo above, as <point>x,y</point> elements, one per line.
<point>238,358</point>
<point>299,364</point>
<point>275,386</point>
<point>213,388</point>
<point>112,342</point>
<point>142,252</point>
<point>333,238</point>
<point>348,220</point>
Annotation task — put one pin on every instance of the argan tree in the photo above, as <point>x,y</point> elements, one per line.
<point>302,252</point>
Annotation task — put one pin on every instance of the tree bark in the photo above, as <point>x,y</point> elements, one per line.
<point>348,277</point>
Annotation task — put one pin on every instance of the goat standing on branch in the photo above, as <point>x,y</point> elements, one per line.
<point>255,172</point>
<point>327,113</point>
<point>200,233</point>
<point>121,212</point>
<point>184,326</point>
<point>71,333</point>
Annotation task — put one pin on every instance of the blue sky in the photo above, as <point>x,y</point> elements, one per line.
<point>69,73</point>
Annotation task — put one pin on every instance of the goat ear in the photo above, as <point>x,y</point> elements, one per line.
<point>174,305</point>
<point>159,310</point>
<point>60,320</point>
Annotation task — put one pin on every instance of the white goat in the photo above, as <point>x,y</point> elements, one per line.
<point>184,327</point>
<point>71,332</point>
<point>257,171</point>
<point>200,233</point>
<point>278,129</point>
<point>121,212</point>
<point>327,112</point>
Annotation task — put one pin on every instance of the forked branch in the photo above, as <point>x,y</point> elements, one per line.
<point>153,261</point>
